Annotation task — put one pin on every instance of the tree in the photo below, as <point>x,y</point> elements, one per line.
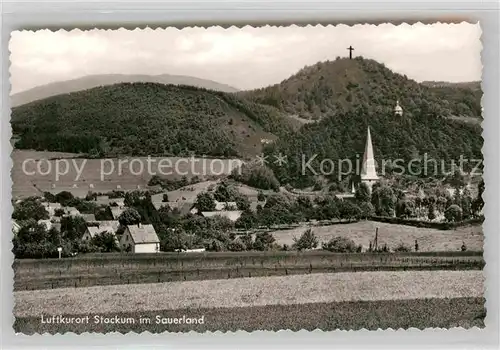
<point>64,197</point>
<point>30,208</point>
<point>237,245</point>
<point>247,220</point>
<point>341,245</point>
<point>261,197</point>
<point>308,240</point>
<point>478,203</point>
<point>165,197</point>
<point>59,212</point>
<point>383,199</point>
<point>431,215</point>
<point>263,241</point>
<point>106,242</point>
<point>453,213</point>
<point>367,210</point>
<point>405,208</point>
<point>129,216</point>
<point>205,202</point>
<point>363,193</point>
<point>242,202</point>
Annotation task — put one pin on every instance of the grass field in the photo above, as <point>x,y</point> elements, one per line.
<point>256,291</point>
<point>371,315</point>
<point>325,301</point>
<point>109,269</point>
<point>363,232</point>
<point>128,175</point>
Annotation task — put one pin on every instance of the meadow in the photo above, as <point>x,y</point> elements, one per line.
<point>325,301</point>
<point>101,175</point>
<point>363,232</point>
<point>113,269</point>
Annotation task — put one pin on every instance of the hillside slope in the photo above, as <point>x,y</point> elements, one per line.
<point>91,81</point>
<point>143,119</point>
<point>343,85</point>
<point>342,137</point>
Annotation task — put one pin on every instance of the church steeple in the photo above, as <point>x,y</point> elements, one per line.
<point>398,110</point>
<point>368,171</point>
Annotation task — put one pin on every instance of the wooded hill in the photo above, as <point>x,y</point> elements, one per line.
<point>343,136</point>
<point>143,119</point>
<point>343,85</point>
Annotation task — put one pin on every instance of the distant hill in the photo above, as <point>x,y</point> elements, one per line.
<point>343,85</point>
<point>91,81</point>
<point>472,85</point>
<point>142,119</point>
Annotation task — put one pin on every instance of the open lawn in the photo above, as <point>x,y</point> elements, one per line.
<point>103,175</point>
<point>363,232</point>
<point>108,269</point>
<point>257,291</point>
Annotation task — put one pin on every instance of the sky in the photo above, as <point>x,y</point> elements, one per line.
<point>245,58</point>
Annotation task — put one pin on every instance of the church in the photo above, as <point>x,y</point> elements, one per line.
<point>368,169</point>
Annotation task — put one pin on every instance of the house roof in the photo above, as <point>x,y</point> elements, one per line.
<point>143,234</point>
<point>88,217</point>
<point>232,215</point>
<point>95,230</point>
<point>116,212</point>
<point>119,201</point>
<point>114,224</point>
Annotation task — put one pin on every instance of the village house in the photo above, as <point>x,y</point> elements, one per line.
<point>46,223</point>
<point>120,202</point>
<point>140,239</point>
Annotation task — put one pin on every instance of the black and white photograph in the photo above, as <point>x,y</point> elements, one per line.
<point>247,178</point>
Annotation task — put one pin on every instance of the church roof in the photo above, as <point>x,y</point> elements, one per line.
<point>368,171</point>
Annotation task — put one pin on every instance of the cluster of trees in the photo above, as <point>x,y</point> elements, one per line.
<point>338,86</point>
<point>34,240</point>
<point>143,119</point>
<point>173,184</point>
<point>256,175</point>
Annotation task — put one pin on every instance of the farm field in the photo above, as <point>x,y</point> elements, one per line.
<point>354,315</point>
<point>109,269</point>
<point>363,232</point>
<point>257,291</point>
<point>129,177</point>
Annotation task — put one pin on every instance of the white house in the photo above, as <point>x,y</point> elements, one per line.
<point>232,215</point>
<point>71,211</point>
<point>140,239</point>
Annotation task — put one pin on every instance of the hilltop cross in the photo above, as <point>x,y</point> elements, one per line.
<point>351,49</point>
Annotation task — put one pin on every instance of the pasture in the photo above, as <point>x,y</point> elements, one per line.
<point>363,232</point>
<point>414,298</point>
<point>103,175</point>
<point>109,269</point>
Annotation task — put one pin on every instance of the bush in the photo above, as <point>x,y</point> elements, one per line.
<point>453,213</point>
<point>237,245</point>
<point>308,240</point>
<point>341,245</point>
<point>401,247</point>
